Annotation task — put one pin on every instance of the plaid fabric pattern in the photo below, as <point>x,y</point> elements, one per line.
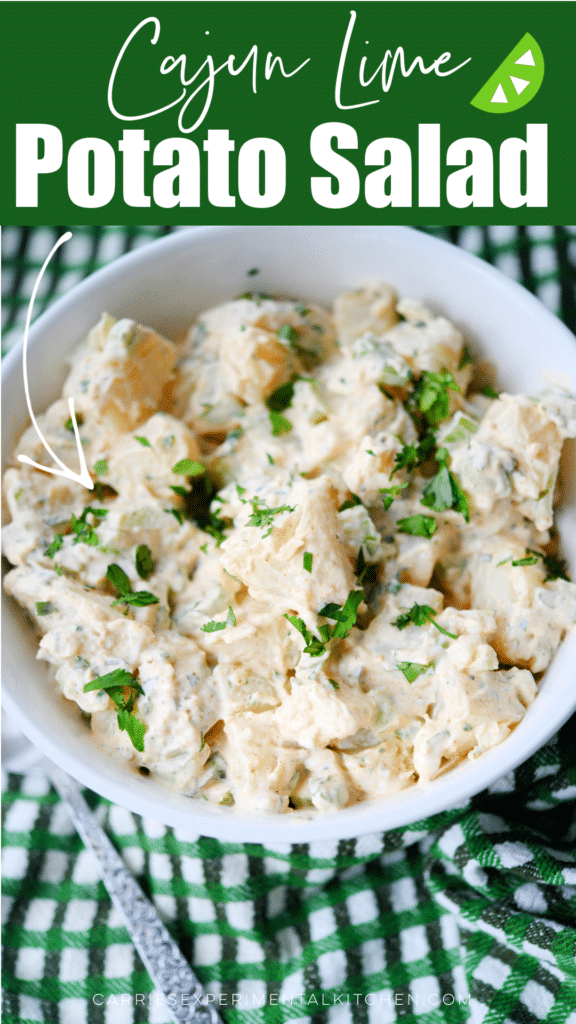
<point>467,916</point>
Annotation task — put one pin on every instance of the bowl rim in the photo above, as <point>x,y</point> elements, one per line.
<point>453,788</point>
<point>179,239</point>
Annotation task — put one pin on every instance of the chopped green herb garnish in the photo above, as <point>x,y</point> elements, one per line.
<point>332,611</point>
<point>419,615</point>
<point>370,452</point>
<point>143,441</point>
<point>118,578</point>
<point>134,727</point>
<point>489,392</point>
<point>270,459</point>
<point>179,490</point>
<point>262,515</point>
<point>307,561</point>
<point>461,431</point>
<point>465,358</point>
<point>55,545</point>
<point>144,562</point>
<point>123,690</point>
<point>215,627</point>
<point>411,669</point>
<point>204,548</point>
<point>227,800</point>
<point>390,493</point>
<point>69,424</point>
<point>119,677</point>
<point>530,559</point>
<point>412,455</point>
<point>418,525</point>
<point>431,395</point>
<point>45,608</point>
<point>288,333</point>
<point>292,335</point>
<point>280,425</point>
<point>202,741</point>
<point>556,568</point>
<point>101,467</point>
<point>188,467</point>
<point>281,398</point>
<point>334,684</point>
<point>176,513</point>
<point>215,526</point>
<point>85,533</point>
<point>346,616</point>
<point>443,491</point>
<point>255,296</point>
<point>121,582</point>
<point>301,310</point>
<point>58,569</point>
<point>438,491</point>
<point>314,646</point>
<point>138,599</point>
<point>350,503</point>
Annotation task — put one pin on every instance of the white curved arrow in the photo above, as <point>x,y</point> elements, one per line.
<point>83,477</point>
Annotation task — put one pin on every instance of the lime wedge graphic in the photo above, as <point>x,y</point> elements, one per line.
<point>515,82</point>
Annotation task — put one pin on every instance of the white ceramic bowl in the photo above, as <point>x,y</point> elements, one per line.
<point>166,284</point>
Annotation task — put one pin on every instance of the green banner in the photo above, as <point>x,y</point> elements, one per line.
<point>223,113</point>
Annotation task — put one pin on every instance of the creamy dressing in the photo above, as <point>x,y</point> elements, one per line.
<point>317,563</point>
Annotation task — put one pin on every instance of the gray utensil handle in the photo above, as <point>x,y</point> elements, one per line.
<point>185,998</point>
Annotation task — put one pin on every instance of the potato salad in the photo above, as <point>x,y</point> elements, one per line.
<point>318,563</point>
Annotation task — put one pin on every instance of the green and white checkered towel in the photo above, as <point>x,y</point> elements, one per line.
<point>469,915</point>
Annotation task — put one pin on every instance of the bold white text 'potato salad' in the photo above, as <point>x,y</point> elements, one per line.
<point>318,564</point>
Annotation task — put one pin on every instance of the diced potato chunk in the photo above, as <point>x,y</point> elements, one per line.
<point>368,309</point>
<point>122,373</point>
<point>269,559</point>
